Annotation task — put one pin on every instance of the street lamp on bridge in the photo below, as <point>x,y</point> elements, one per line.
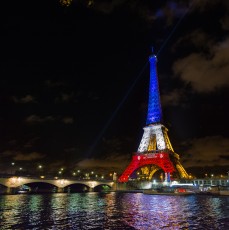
<point>12,167</point>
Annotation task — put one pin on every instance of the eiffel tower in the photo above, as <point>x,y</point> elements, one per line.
<point>155,149</point>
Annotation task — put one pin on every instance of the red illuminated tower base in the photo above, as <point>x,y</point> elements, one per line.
<point>162,160</point>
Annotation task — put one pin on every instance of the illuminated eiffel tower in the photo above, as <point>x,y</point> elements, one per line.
<point>155,148</point>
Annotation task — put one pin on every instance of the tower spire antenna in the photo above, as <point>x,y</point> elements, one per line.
<point>153,52</point>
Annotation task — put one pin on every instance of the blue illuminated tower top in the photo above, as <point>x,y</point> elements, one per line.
<point>154,114</point>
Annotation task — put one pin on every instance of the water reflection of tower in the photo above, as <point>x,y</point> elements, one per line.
<point>155,148</point>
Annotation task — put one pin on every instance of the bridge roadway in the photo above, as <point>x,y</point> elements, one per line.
<point>17,181</point>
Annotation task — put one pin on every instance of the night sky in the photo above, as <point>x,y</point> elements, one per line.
<point>74,81</point>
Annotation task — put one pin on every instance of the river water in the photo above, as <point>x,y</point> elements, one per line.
<point>113,210</point>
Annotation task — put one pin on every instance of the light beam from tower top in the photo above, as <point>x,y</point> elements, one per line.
<point>154,114</point>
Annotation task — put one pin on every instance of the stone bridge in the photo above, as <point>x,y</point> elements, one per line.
<point>15,182</point>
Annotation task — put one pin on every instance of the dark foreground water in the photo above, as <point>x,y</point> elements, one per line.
<point>113,211</point>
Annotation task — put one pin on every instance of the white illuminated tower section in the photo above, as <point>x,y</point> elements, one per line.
<point>155,147</point>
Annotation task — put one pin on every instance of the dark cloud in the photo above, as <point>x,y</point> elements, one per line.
<point>225,22</point>
<point>70,149</point>
<point>54,83</point>
<point>68,120</point>
<point>225,157</point>
<point>35,119</point>
<point>115,162</point>
<point>26,99</point>
<point>198,38</point>
<point>28,157</point>
<point>207,151</point>
<point>205,73</point>
<point>171,11</point>
<point>64,97</point>
<point>205,5</point>
<point>166,10</point>
<point>20,156</point>
<point>30,143</point>
<point>173,98</point>
<point>108,6</point>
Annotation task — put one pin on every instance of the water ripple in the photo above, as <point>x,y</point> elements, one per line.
<point>113,211</point>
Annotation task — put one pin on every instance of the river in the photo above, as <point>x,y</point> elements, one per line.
<point>114,210</point>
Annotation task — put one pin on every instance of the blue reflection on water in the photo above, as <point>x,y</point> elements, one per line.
<point>113,211</point>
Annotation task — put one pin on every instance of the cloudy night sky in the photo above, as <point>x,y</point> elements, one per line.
<point>74,80</point>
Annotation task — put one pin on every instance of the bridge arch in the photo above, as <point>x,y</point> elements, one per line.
<point>61,184</point>
<point>3,189</point>
<point>102,187</point>
<point>41,187</point>
<point>77,187</point>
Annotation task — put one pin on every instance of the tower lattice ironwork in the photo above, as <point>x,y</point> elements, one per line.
<point>155,148</point>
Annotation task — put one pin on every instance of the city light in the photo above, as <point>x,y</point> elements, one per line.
<point>65,2</point>
<point>62,182</point>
